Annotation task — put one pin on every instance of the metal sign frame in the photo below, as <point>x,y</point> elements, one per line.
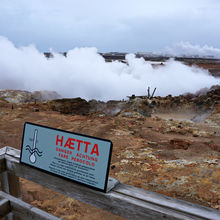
<point>34,154</point>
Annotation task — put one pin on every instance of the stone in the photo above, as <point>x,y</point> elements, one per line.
<point>179,144</point>
<point>70,106</point>
<point>214,147</point>
<point>16,96</point>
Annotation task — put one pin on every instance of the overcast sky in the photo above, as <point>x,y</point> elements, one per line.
<point>113,25</point>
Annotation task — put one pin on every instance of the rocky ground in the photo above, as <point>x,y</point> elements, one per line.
<point>169,145</point>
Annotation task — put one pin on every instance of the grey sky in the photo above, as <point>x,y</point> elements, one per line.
<point>116,25</point>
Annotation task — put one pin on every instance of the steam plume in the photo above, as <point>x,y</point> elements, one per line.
<point>186,48</point>
<point>85,73</point>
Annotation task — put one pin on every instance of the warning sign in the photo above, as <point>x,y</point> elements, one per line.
<point>83,159</point>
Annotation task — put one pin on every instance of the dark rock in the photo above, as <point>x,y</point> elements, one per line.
<point>70,106</point>
<point>113,167</point>
<point>179,144</point>
<point>214,147</point>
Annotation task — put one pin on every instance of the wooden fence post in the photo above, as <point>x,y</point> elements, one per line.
<point>14,185</point>
<point>10,185</point>
<point>4,182</point>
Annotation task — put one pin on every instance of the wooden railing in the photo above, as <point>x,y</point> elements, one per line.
<point>123,200</point>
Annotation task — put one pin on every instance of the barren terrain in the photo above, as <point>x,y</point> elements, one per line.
<point>168,145</point>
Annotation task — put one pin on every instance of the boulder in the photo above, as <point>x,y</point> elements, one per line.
<point>74,106</point>
<point>179,144</point>
<point>16,96</point>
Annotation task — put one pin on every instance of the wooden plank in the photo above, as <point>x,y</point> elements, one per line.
<point>10,184</point>
<point>6,188</point>
<point>169,202</point>
<point>25,210</point>
<point>13,152</point>
<point>4,207</point>
<point>2,165</point>
<point>126,201</point>
<point>113,202</point>
<point>3,151</point>
<point>14,185</point>
<point>2,159</point>
<point>10,181</point>
<point>4,182</point>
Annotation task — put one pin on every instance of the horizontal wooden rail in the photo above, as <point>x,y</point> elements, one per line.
<point>127,201</point>
<point>22,209</point>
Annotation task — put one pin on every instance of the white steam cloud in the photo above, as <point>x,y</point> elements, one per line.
<point>186,48</point>
<point>84,73</point>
